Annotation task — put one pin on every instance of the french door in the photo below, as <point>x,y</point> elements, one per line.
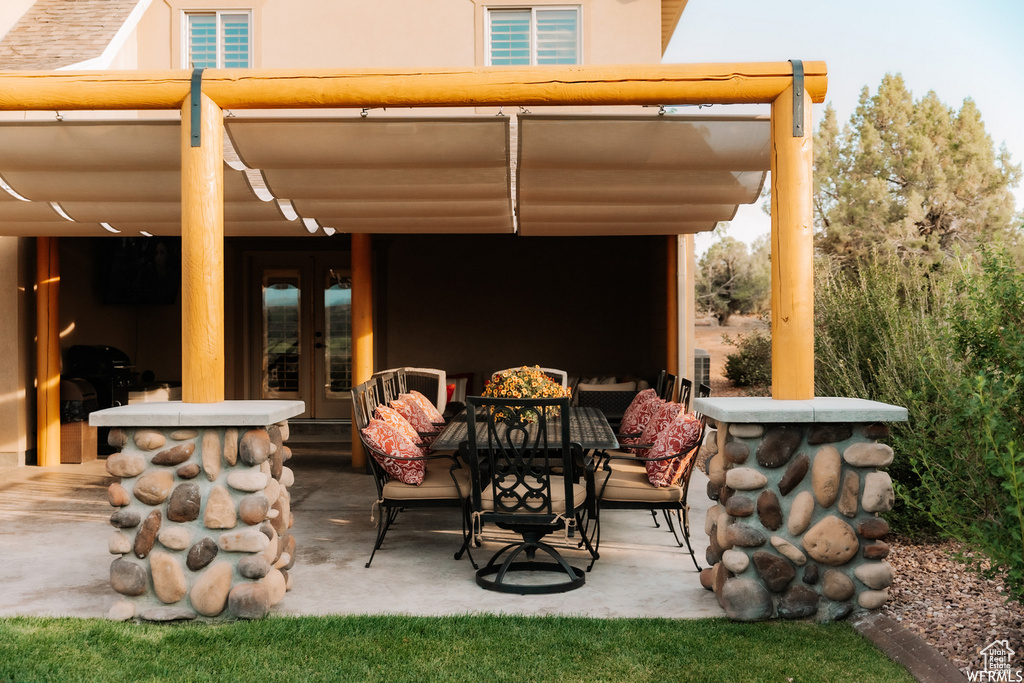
<point>300,331</point>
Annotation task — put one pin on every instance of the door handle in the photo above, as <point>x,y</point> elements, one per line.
<point>318,345</point>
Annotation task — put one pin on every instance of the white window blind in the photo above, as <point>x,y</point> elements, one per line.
<point>557,32</point>
<point>218,40</point>
<point>537,35</point>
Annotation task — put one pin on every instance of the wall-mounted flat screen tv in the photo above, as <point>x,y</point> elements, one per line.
<point>139,270</point>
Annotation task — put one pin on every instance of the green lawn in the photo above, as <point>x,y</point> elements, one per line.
<point>460,648</point>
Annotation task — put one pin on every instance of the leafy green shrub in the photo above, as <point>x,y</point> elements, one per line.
<point>751,365</point>
<point>975,475</point>
<point>947,342</point>
<point>881,333</point>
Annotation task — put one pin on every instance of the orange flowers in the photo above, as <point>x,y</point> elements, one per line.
<point>524,382</point>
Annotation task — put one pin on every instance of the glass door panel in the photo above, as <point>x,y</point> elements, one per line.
<point>334,340</point>
<point>283,359</point>
<point>300,329</point>
<point>338,334</point>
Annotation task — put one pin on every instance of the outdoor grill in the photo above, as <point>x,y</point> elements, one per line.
<point>107,369</point>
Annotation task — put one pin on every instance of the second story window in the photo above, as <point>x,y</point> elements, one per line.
<point>533,35</point>
<point>218,40</point>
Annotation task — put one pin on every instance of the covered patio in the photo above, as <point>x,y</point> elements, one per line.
<point>685,175</point>
<point>641,573</point>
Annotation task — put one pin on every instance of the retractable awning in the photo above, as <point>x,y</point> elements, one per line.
<point>374,175</point>
<point>632,175</point>
<point>575,175</point>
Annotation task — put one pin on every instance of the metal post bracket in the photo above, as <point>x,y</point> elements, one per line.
<point>196,97</point>
<point>798,98</point>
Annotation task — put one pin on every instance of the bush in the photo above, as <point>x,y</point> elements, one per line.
<point>947,342</point>
<point>975,480</point>
<point>881,333</point>
<point>751,365</point>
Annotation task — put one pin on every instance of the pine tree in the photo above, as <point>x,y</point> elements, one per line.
<point>915,178</point>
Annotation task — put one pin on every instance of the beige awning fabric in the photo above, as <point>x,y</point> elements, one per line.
<point>112,178</point>
<point>297,176</point>
<point>393,175</point>
<point>627,175</point>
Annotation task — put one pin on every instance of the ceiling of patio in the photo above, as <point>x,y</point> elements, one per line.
<point>574,175</point>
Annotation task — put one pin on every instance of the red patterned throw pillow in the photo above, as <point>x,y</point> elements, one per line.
<point>638,414</point>
<point>680,436</point>
<point>386,439</point>
<point>432,412</point>
<point>663,417</point>
<point>395,419</point>
<point>414,413</point>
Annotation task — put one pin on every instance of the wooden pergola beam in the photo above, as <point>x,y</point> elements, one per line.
<point>668,84</point>
<point>202,192</point>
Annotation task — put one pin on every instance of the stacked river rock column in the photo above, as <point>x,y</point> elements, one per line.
<point>201,522</point>
<point>796,531</point>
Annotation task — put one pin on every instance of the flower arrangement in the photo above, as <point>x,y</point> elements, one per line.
<point>524,382</point>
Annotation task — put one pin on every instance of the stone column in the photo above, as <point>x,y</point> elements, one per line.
<point>202,510</point>
<point>796,532</point>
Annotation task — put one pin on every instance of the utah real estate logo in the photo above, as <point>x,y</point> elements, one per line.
<point>997,658</point>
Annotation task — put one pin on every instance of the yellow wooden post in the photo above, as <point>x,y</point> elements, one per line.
<point>672,299</point>
<point>792,252</point>
<point>47,352</point>
<point>202,256</point>
<point>362,325</point>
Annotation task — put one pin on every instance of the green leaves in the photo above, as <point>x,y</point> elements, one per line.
<point>948,343</point>
<point>751,365</point>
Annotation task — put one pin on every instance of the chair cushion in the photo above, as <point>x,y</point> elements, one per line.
<point>638,414</point>
<point>395,419</point>
<point>579,494</point>
<point>429,408</point>
<point>635,487</point>
<point>384,438</point>
<point>625,465</point>
<point>414,413</point>
<point>681,436</point>
<point>437,485</point>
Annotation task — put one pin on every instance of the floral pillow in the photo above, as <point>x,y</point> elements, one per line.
<point>414,413</point>
<point>432,412</point>
<point>662,418</point>
<point>681,436</point>
<point>386,439</point>
<point>638,414</point>
<point>395,419</point>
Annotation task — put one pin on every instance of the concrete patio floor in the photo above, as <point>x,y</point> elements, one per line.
<point>54,529</point>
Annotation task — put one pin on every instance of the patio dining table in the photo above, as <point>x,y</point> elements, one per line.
<point>587,427</point>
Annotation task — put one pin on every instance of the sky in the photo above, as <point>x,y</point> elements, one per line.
<point>970,48</point>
